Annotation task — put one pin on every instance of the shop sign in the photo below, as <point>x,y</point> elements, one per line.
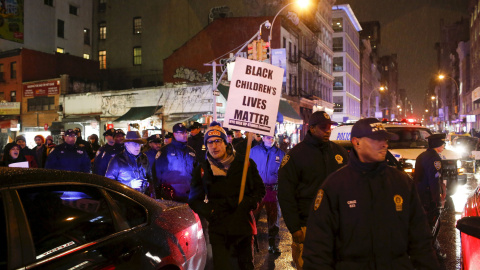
<point>45,88</point>
<point>9,108</point>
<point>254,97</point>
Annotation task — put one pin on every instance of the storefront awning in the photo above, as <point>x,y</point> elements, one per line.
<point>138,113</point>
<point>285,110</point>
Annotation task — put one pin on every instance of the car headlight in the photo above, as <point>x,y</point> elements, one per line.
<point>460,149</point>
<point>410,161</point>
<point>459,163</point>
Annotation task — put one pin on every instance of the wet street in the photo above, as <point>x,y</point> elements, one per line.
<point>449,236</point>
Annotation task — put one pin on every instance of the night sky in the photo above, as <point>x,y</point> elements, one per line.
<point>410,28</point>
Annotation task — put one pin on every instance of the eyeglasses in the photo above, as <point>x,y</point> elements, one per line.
<point>217,141</point>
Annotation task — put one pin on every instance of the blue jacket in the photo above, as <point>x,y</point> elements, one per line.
<point>104,154</point>
<point>151,155</point>
<point>174,167</point>
<point>68,158</point>
<point>268,162</point>
<point>427,177</point>
<point>126,167</point>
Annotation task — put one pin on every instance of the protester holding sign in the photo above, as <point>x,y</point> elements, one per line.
<point>214,195</point>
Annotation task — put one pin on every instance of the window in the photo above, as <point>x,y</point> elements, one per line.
<point>65,217</point>
<point>137,56</point>
<point>41,104</point>
<point>290,50</point>
<point>86,56</point>
<point>73,10</point>
<point>2,96</point>
<point>102,5</point>
<point>60,50</point>
<point>13,96</point>
<point>2,74</point>
<point>13,70</point>
<point>102,30</point>
<point>284,43</point>
<point>131,211</point>
<point>338,104</point>
<point>338,64</point>
<point>137,25</point>
<point>337,24</point>
<point>48,2</point>
<point>338,83</point>
<point>338,44</point>
<point>86,36</point>
<point>60,28</point>
<point>102,58</point>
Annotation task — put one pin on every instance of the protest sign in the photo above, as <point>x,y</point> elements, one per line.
<point>254,96</point>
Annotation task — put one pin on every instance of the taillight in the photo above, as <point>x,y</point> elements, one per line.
<point>199,226</point>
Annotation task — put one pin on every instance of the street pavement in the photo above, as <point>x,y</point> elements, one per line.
<point>449,236</point>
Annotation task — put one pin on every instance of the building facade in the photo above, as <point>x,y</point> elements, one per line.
<point>346,64</point>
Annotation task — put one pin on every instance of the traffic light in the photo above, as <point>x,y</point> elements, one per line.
<point>252,50</point>
<point>265,50</point>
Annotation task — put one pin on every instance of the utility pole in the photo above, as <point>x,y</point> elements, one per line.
<point>214,66</point>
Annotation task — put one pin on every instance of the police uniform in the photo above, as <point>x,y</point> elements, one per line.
<point>368,215</point>
<point>428,177</point>
<point>173,169</point>
<point>82,143</point>
<point>152,153</point>
<point>268,162</point>
<point>68,157</point>
<point>105,153</point>
<point>196,142</point>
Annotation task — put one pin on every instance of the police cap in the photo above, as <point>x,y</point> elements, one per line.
<point>436,140</point>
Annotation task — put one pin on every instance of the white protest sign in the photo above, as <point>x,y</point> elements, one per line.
<point>254,96</point>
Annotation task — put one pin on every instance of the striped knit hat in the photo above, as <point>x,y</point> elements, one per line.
<point>215,130</point>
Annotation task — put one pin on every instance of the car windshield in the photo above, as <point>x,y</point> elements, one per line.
<point>411,137</point>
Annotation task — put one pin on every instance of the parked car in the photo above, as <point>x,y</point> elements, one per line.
<point>53,219</point>
<point>469,227</point>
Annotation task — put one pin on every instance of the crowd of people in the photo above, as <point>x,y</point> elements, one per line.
<point>343,210</point>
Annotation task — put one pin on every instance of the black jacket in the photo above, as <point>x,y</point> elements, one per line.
<point>103,156</point>
<point>427,175</point>
<point>368,216</point>
<point>301,174</point>
<point>197,143</point>
<point>68,158</point>
<point>222,210</point>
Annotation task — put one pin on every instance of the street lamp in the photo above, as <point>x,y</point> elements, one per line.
<point>370,95</point>
<point>301,3</point>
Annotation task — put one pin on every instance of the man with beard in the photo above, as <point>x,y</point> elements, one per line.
<point>196,141</point>
<point>40,151</point>
<point>367,215</point>
<point>215,197</point>
<point>173,167</point>
<point>301,174</point>
<point>68,156</point>
<point>154,145</point>
<point>131,167</point>
<point>106,152</point>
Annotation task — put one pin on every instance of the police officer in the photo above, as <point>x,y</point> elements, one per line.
<point>68,156</point>
<point>301,174</point>
<point>168,138</point>
<point>214,196</point>
<point>196,141</point>
<point>154,145</point>
<point>106,152</point>
<point>82,143</point>
<point>237,137</point>
<point>268,157</point>
<point>428,178</point>
<point>131,167</point>
<point>367,215</point>
<point>173,167</point>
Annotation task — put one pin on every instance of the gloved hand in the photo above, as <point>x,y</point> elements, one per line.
<point>136,184</point>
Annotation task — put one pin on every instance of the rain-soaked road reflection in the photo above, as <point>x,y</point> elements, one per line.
<point>448,236</point>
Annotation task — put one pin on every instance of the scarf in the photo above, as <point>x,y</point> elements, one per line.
<point>220,167</point>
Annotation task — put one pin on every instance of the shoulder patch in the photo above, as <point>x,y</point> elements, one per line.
<point>437,164</point>
<point>98,153</point>
<point>318,199</point>
<point>284,160</point>
<point>339,159</point>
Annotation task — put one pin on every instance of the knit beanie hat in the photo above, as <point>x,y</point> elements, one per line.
<point>215,130</point>
<point>20,137</point>
<point>41,137</point>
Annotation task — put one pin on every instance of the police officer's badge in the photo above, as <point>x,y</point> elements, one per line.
<point>158,155</point>
<point>326,115</point>
<point>339,159</point>
<point>284,160</point>
<point>203,147</point>
<point>437,164</point>
<point>398,202</point>
<point>318,200</point>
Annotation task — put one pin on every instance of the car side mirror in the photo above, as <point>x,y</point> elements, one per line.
<point>470,226</point>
